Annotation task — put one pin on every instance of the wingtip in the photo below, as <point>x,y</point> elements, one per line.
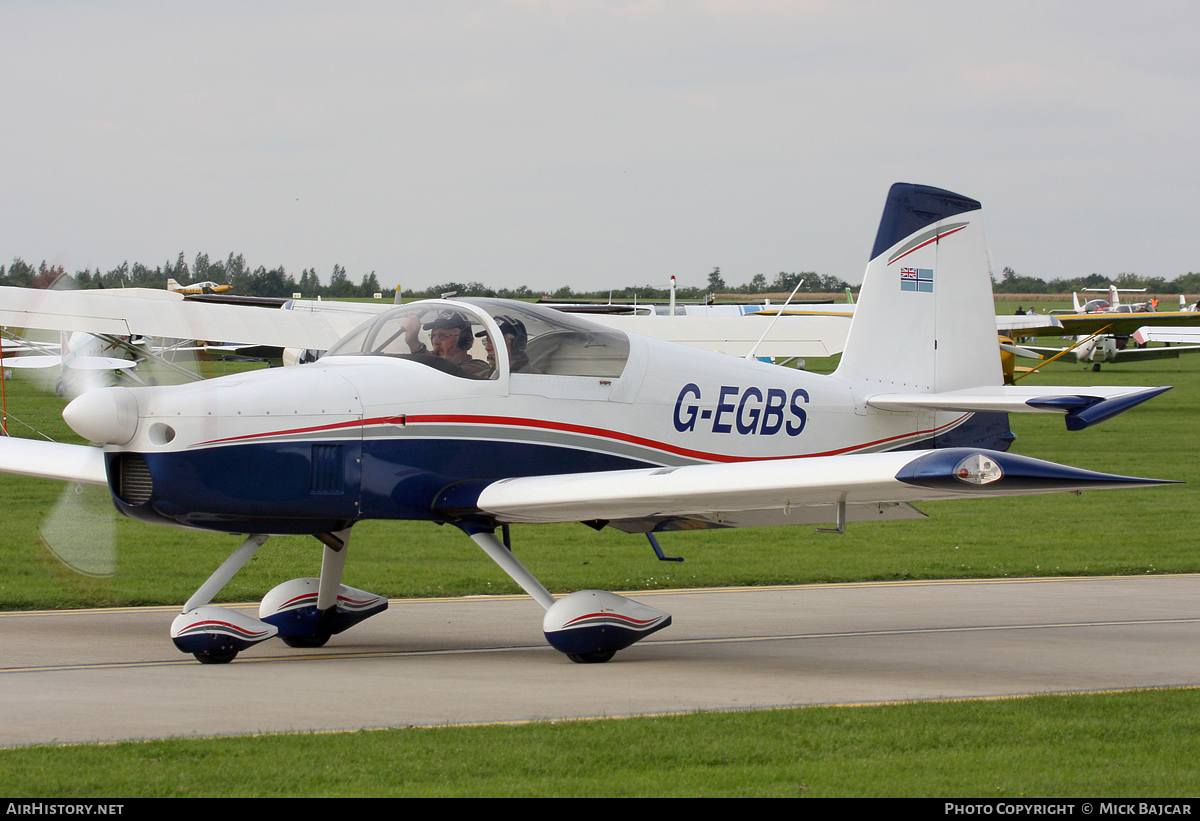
<point>982,472</point>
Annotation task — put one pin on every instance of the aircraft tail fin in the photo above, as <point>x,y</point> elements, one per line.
<point>1075,303</point>
<point>925,320</point>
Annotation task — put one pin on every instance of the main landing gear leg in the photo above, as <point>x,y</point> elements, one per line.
<point>588,626</point>
<point>215,635</point>
<point>308,611</point>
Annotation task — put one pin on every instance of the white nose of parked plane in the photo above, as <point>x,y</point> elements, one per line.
<point>106,416</point>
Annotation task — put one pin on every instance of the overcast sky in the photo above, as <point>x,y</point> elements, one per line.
<point>594,144</point>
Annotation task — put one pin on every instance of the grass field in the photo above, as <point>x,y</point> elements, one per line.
<point>1135,745</point>
<point>1131,744</point>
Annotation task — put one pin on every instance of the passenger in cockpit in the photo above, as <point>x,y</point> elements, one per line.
<point>450,335</point>
<point>515,340</point>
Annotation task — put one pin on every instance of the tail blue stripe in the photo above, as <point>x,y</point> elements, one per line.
<point>911,207</point>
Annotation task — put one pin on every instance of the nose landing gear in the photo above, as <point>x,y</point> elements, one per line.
<point>303,612</point>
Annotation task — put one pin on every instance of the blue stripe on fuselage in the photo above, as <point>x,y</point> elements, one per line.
<point>270,487</point>
<point>401,477</point>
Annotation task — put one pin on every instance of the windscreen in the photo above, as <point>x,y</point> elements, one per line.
<point>451,339</point>
<point>543,340</point>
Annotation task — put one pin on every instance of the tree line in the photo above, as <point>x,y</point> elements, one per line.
<point>233,271</point>
<point>1013,283</point>
<point>276,282</point>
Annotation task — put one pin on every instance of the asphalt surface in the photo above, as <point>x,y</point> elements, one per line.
<point>100,675</point>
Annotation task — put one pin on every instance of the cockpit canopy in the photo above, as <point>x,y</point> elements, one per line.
<point>453,337</point>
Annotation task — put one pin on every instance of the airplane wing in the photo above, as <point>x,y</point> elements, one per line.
<point>1134,354</point>
<point>783,491</point>
<point>806,334</point>
<point>1088,324</point>
<point>169,315</point>
<point>1141,354</point>
<point>872,487</point>
<point>1167,334</point>
<point>52,460</point>
<point>822,333</point>
<point>317,325</point>
<point>79,363</point>
<point>801,330</point>
<point>1029,325</point>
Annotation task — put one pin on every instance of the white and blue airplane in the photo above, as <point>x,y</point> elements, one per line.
<point>482,412</point>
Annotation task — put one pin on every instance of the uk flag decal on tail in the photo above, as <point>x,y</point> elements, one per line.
<point>916,279</point>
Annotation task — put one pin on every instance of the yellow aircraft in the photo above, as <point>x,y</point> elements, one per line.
<point>196,287</point>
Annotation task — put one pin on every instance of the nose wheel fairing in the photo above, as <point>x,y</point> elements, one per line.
<point>303,612</point>
<point>215,634</point>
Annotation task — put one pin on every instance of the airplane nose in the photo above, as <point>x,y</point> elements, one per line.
<point>106,416</point>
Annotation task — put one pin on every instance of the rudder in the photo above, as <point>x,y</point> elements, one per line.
<point>925,319</point>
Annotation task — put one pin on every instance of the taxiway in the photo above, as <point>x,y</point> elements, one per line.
<point>101,675</point>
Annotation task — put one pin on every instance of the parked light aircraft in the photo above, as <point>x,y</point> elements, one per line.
<point>197,287</point>
<point>83,361</point>
<point>1101,348</point>
<point>572,422</point>
<point>1172,335</point>
<point>1102,328</point>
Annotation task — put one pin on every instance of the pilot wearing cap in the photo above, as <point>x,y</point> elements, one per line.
<point>450,335</point>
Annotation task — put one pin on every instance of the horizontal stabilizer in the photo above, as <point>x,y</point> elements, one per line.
<point>1088,407</point>
<point>1045,323</point>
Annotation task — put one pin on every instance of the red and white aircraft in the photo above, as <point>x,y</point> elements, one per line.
<point>482,412</point>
